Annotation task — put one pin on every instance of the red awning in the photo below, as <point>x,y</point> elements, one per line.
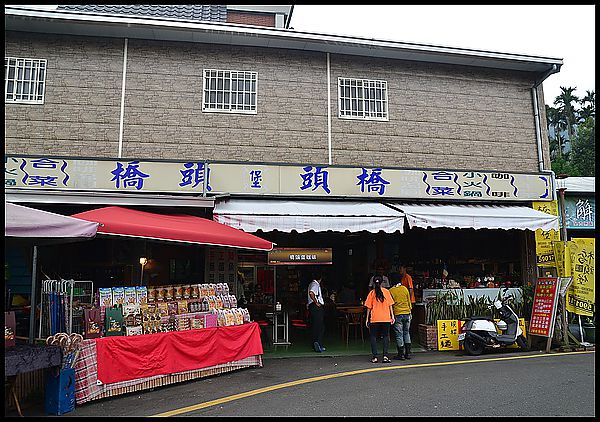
<point>179,228</point>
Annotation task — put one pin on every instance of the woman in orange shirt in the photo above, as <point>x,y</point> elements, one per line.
<point>380,316</point>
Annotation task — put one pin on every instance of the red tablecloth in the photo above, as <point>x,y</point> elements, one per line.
<point>127,358</point>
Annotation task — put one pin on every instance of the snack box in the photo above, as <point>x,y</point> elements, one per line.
<point>160,293</point>
<point>142,294</point>
<point>105,297</point>
<point>152,292</point>
<point>118,294</point>
<point>187,291</point>
<point>197,323</point>
<point>182,306</point>
<point>178,295</point>
<point>172,308</point>
<point>163,309</point>
<point>134,331</point>
<point>195,291</point>
<point>210,320</point>
<point>130,296</point>
<point>170,292</point>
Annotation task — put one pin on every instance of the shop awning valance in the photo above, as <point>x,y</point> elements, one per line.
<point>286,215</point>
<point>179,228</point>
<point>25,222</point>
<point>477,216</point>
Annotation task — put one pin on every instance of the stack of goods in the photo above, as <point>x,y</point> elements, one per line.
<point>150,319</point>
<point>132,318</point>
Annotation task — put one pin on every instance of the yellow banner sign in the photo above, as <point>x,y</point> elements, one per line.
<point>562,259</point>
<point>543,238</point>
<point>580,296</point>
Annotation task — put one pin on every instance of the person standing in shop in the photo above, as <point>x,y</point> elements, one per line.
<point>317,312</point>
<point>402,315</point>
<point>385,282</point>
<point>380,316</point>
<point>407,282</point>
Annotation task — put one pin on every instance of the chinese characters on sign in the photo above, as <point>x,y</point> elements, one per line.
<point>544,307</point>
<point>580,295</point>
<point>543,238</point>
<point>448,331</point>
<point>580,212</point>
<point>296,256</point>
<point>284,179</point>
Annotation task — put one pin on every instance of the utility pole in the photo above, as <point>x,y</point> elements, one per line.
<point>563,235</point>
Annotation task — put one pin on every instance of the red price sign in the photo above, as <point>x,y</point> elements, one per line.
<point>544,307</point>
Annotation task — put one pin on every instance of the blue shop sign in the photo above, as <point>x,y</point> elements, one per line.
<point>580,212</point>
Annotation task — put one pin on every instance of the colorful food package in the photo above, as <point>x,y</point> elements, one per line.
<point>225,302</point>
<point>187,291</point>
<point>195,291</point>
<point>167,324</point>
<point>232,301</point>
<point>220,318</point>
<point>182,323</point>
<point>218,289</point>
<point>246,315</point>
<point>161,292</point>
<point>142,294</point>
<point>239,316</point>
<point>212,289</point>
<point>130,296</point>
<point>105,297</point>
<point>204,290</point>
<point>219,302</point>
<point>210,320</point>
<point>131,315</point>
<point>178,292</point>
<point>172,308</point>
<point>212,303</point>
<point>92,323</point>
<point>229,317</point>
<point>152,291</point>
<point>225,288</point>
<point>205,304</point>
<point>163,309</point>
<point>182,306</point>
<point>10,327</point>
<point>169,293</point>
<point>197,322</point>
<point>114,322</point>
<point>118,295</point>
<point>134,331</point>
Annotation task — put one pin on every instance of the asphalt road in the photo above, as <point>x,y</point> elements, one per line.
<point>506,383</point>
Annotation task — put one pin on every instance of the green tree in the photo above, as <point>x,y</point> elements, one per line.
<point>588,106</point>
<point>566,101</point>
<point>583,156</point>
<point>556,120</point>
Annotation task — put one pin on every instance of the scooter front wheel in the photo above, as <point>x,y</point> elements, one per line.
<point>522,343</point>
<point>473,347</point>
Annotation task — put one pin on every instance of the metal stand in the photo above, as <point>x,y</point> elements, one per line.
<point>284,341</point>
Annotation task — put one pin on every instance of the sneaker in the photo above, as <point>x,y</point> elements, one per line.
<point>323,349</point>
<point>317,347</point>
<point>398,357</point>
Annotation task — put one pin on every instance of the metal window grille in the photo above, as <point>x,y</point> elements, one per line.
<point>24,80</point>
<point>363,99</point>
<point>229,91</point>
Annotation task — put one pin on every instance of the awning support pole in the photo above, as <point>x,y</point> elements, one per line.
<point>33,291</point>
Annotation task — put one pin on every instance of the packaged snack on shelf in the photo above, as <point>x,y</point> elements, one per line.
<point>195,291</point>
<point>178,294</point>
<point>182,323</point>
<point>197,322</point>
<point>114,321</point>
<point>246,315</point>
<point>187,291</point>
<point>204,290</point>
<point>118,294</point>
<point>219,302</point>
<point>239,316</point>
<point>225,288</point>
<point>92,322</point>
<point>152,291</point>
<point>232,301</point>
<point>134,331</point>
<point>142,294</point>
<point>220,318</point>
<point>212,303</point>
<point>130,296</point>
<point>205,304</point>
<point>212,289</point>
<point>225,301</point>
<point>229,317</point>
<point>210,320</point>
<point>106,298</point>
<point>169,292</point>
<point>131,315</point>
<point>218,289</point>
<point>172,308</point>
<point>163,309</point>
<point>182,306</point>
<point>161,291</point>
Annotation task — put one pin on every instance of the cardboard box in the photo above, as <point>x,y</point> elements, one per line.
<point>106,298</point>
<point>142,294</point>
<point>134,331</point>
<point>118,294</point>
<point>130,296</point>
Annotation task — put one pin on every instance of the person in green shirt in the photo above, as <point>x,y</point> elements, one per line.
<point>402,316</point>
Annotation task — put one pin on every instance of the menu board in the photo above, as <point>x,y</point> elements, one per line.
<point>544,307</point>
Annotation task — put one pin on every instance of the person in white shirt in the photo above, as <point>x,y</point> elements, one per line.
<point>316,311</point>
<point>385,283</point>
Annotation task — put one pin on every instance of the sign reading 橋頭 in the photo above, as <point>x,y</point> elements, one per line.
<point>262,179</point>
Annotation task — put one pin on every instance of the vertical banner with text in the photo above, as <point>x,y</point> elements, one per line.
<point>562,257</point>
<point>544,251</point>
<point>544,307</point>
<point>580,295</point>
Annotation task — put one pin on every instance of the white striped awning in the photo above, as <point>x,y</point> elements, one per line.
<point>251,215</point>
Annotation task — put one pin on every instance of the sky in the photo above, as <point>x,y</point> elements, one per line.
<point>536,30</point>
<point>531,29</point>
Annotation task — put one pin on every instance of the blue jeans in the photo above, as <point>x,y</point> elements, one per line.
<point>401,329</point>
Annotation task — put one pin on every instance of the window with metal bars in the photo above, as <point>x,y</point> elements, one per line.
<point>229,91</point>
<point>24,80</point>
<point>363,99</point>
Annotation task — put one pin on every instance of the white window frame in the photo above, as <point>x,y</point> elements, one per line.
<point>206,76</point>
<point>34,80</point>
<point>364,116</point>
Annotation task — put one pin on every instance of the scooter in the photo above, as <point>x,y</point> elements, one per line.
<point>479,333</point>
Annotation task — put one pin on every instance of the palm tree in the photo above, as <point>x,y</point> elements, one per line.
<point>588,106</point>
<point>565,101</point>
<point>557,122</point>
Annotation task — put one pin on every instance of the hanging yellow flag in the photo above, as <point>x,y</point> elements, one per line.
<point>580,295</point>
<point>543,238</point>
<point>562,259</point>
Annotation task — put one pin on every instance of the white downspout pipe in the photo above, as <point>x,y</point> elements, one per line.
<point>536,112</point>
<point>329,108</point>
<point>122,99</point>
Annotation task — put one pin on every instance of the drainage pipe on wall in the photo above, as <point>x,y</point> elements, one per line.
<point>329,108</point>
<point>536,112</point>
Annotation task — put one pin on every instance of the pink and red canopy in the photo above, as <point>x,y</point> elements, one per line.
<point>179,228</point>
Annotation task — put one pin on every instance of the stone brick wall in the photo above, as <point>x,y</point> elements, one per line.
<point>441,116</point>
